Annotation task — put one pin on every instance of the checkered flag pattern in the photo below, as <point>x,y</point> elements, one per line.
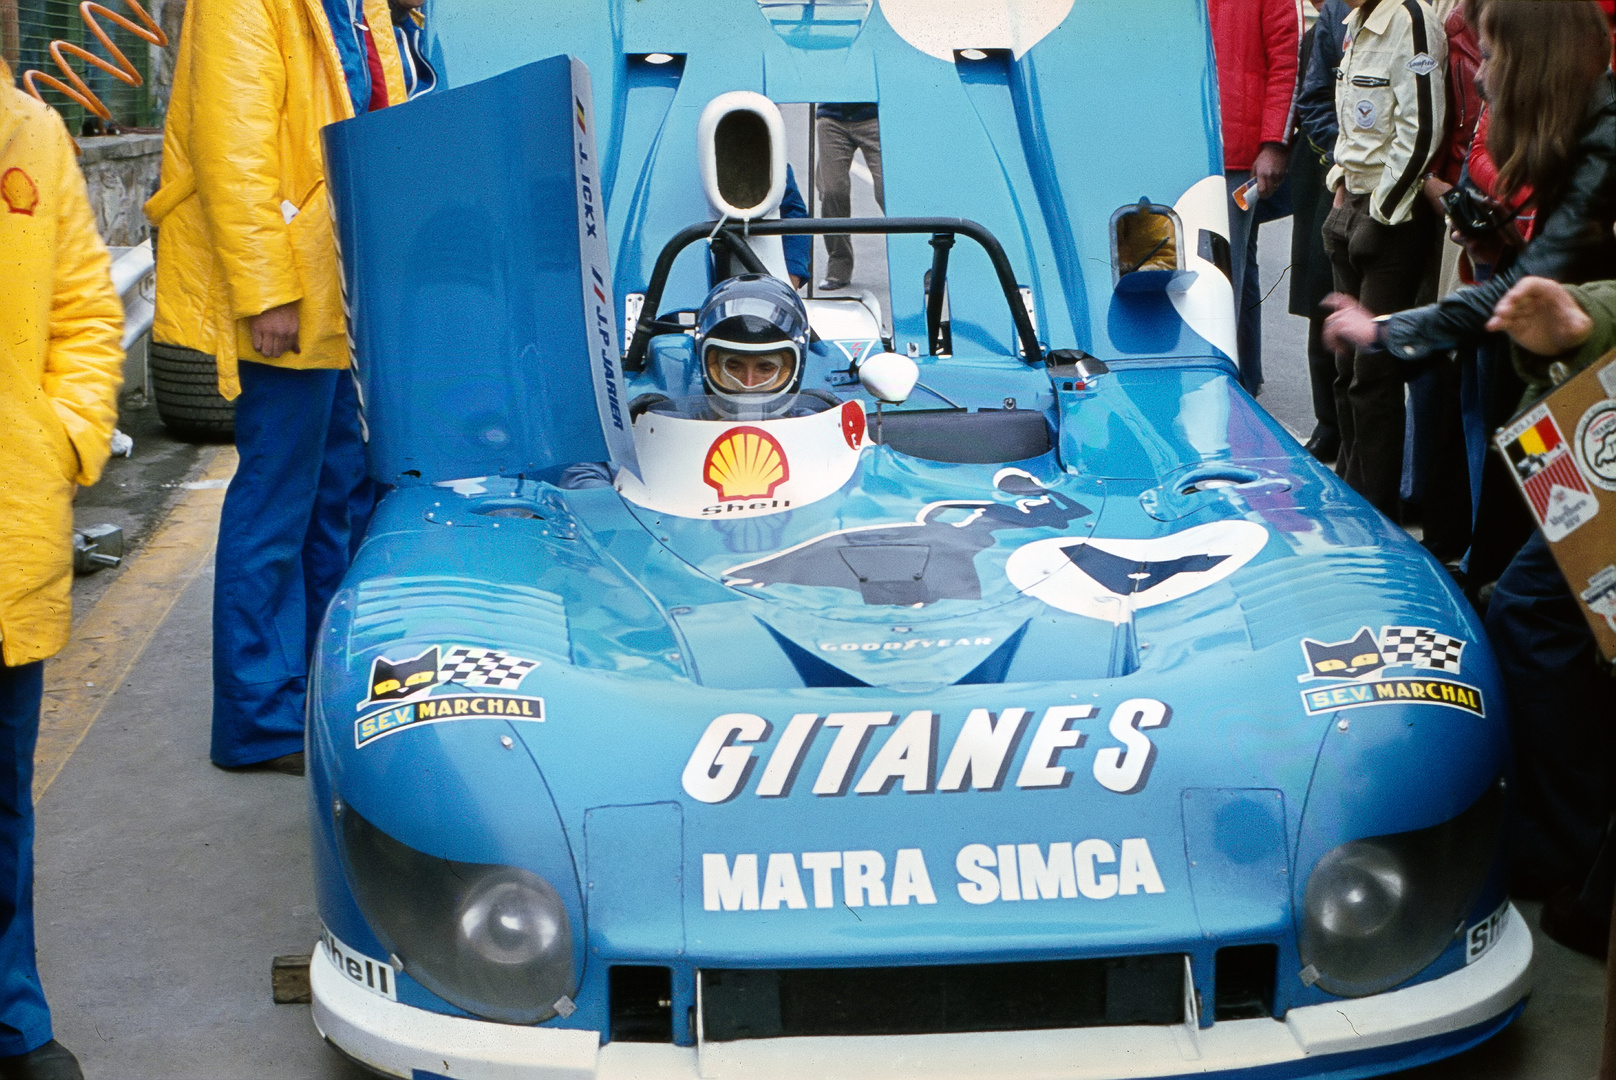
<point>484,667</point>
<point>1420,647</point>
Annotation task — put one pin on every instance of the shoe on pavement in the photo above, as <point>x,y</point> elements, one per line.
<point>290,764</point>
<point>1324,445</point>
<point>53,1061</point>
<point>834,283</point>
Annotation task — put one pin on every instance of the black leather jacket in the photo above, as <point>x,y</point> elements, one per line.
<point>1573,244</point>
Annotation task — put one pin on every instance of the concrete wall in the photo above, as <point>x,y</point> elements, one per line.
<point>121,172</point>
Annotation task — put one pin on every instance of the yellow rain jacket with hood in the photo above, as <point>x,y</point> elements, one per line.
<point>243,220</point>
<point>61,362</point>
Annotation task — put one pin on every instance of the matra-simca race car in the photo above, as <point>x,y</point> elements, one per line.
<point>1023,701</point>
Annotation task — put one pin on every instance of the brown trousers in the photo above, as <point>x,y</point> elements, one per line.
<point>1382,266</point>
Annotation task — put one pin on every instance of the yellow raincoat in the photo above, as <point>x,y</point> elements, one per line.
<point>242,215</point>
<point>61,361</point>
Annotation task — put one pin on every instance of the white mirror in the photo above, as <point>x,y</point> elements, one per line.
<point>889,377</point>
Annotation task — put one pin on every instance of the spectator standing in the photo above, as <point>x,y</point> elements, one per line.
<point>1257,44</point>
<point>842,129</point>
<point>61,360</point>
<point>1489,390</point>
<point>247,270</point>
<point>1381,232</point>
<point>1312,278</point>
<point>1551,128</point>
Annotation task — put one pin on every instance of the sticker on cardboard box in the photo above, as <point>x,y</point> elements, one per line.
<point>1600,595</point>
<point>1596,443</point>
<point>1607,379</point>
<point>1559,495</point>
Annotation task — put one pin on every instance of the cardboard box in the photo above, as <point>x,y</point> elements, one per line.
<point>1562,453</point>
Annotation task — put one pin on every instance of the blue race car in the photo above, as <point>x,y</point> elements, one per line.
<point>960,676</point>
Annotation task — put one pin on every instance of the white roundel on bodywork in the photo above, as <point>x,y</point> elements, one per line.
<point>721,469</point>
<point>1207,303</point>
<point>1110,578</point>
<point>939,27</point>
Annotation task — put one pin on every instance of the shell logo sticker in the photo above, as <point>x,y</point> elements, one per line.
<point>853,424</point>
<point>19,191</point>
<point>745,463</point>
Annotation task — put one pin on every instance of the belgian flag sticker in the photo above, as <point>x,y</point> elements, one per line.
<point>1547,473</point>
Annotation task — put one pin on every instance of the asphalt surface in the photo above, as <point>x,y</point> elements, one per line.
<point>165,886</point>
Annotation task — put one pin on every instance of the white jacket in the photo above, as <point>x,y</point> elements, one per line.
<point>1390,100</point>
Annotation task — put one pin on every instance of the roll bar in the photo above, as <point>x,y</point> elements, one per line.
<point>943,231</point>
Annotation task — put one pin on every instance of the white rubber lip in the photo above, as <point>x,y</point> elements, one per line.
<point>396,1039</point>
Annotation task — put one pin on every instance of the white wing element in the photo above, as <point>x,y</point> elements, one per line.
<point>938,27</point>
<point>1207,305</point>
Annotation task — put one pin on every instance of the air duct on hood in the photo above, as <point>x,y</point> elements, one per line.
<point>741,143</point>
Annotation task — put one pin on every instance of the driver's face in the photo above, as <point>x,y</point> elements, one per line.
<point>748,371</point>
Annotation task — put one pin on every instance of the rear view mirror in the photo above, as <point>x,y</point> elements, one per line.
<point>889,377</point>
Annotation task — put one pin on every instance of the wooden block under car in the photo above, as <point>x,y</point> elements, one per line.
<point>289,980</point>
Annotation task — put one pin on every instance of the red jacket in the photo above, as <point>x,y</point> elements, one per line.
<point>1257,42</point>
<point>1464,101</point>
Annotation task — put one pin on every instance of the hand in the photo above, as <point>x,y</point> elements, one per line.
<point>1542,317</point>
<point>1350,325</point>
<point>1269,168</point>
<point>1433,189</point>
<point>1483,250</point>
<point>797,281</point>
<point>1340,197</point>
<point>275,331</point>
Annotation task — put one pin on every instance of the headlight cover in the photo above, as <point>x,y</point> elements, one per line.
<point>493,940</point>
<point>1378,911</point>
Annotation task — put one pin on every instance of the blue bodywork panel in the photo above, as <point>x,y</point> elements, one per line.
<point>1171,640</point>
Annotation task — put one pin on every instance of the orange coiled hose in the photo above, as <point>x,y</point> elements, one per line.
<point>119,67</point>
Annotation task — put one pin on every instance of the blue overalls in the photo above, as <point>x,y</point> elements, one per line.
<point>294,512</point>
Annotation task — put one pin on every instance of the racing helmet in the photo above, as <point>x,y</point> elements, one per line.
<point>751,342</point>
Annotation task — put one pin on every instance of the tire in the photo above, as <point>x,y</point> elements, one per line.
<point>185,385</point>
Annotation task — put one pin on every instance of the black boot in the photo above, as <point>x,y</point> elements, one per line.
<point>53,1061</point>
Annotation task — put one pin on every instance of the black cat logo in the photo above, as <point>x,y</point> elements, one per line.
<point>391,680</point>
<point>1343,659</point>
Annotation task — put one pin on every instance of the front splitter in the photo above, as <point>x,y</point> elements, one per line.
<point>1340,1039</point>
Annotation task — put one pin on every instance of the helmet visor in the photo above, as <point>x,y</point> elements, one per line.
<point>750,371</point>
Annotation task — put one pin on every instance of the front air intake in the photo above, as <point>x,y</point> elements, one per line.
<point>1047,994</point>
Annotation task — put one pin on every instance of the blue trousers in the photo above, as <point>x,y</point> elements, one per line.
<point>1562,714</point>
<point>285,539</point>
<point>24,1017</point>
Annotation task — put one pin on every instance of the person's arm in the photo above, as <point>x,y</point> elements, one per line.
<point>84,355</point>
<point>1419,103</point>
<point>799,249</point>
<point>1282,42</point>
<point>1315,105</point>
<point>1282,36</point>
<point>235,139</point>
<point>1560,246</point>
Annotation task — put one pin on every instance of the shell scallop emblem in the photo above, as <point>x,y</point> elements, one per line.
<point>853,424</point>
<point>18,189</point>
<point>745,463</point>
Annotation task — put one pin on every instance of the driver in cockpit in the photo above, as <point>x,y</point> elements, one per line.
<point>752,346</point>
